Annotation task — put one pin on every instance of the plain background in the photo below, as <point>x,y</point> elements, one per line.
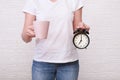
<point>100,61</point>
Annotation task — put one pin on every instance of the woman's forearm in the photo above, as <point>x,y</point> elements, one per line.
<point>28,31</point>
<point>77,18</point>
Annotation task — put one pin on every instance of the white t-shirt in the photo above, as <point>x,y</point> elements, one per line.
<point>58,47</point>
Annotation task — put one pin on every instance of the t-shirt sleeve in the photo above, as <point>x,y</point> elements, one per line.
<point>77,4</point>
<point>29,7</point>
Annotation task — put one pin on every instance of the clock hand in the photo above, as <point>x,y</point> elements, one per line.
<point>80,39</point>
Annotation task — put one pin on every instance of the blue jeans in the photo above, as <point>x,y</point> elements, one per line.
<point>52,71</point>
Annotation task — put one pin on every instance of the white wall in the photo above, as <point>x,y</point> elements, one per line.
<point>100,61</point>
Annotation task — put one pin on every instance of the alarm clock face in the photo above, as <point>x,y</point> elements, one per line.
<point>81,41</point>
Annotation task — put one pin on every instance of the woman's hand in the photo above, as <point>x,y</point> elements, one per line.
<point>83,26</point>
<point>30,31</point>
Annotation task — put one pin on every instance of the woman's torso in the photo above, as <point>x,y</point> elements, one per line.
<point>58,46</point>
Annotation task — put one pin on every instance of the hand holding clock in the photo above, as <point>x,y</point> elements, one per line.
<point>83,26</point>
<point>81,39</point>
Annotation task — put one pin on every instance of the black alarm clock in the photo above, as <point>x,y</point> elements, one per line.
<point>81,39</point>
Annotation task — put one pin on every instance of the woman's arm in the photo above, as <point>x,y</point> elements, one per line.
<point>77,22</point>
<point>28,31</point>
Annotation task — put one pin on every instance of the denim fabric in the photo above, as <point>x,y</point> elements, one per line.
<point>52,71</point>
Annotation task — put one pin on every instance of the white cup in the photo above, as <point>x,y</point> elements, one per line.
<point>41,29</point>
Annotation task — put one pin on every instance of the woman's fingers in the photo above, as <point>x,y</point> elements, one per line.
<point>86,27</point>
<point>31,27</point>
<point>30,31</point>
<point>83,26</point>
